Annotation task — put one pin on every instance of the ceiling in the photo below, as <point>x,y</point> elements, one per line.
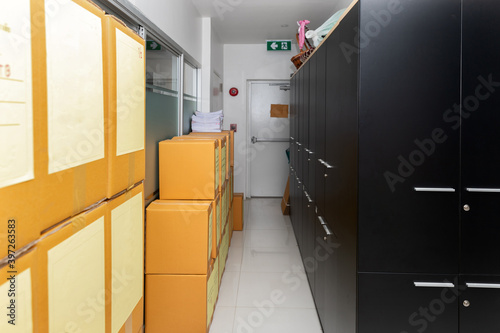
<point>255,21</point>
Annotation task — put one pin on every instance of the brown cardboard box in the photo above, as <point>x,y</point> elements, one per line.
<point>72,293</point>
<point>180,237</point>
<point>218,135</point>
<point>181,303</point>
<point>125,254</point>
<point>126,104</point>
<point>222,154</point>
<point>238,211</point>
<point>75,175</point>
<point>188,169</point>
<point>23,273</point>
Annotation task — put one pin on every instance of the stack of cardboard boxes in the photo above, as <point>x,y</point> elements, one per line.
<point>188,232</point>
<point>72,132</point>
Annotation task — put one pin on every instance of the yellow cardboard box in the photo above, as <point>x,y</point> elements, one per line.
<point>181,303</point>
<point>222,154</point>
<point>227,136</point>
<point>238,211</point>
<point>189,169</point>
<point>57,156</point>
<point>125,91</point>
<point>180,237</point>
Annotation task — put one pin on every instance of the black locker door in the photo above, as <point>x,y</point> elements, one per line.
<point>310,152</point>
<point>480,304</point>
<point>408,152</point>
<point>304,124</point>
<point>300,118</point>
<point>319,114</point>
<point>308,229</point>
<point>480,138</point>
<point>293,195</point>
<point>407,303</point>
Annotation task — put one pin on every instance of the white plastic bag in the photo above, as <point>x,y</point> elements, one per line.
<point>318,34</point>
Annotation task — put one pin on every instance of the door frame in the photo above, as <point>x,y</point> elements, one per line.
<point>248,164</point>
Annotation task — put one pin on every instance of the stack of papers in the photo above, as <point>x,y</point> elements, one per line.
<point>207,122</point>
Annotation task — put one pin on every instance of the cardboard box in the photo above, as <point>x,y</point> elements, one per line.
<point>224,205</point>
<point>285,202</point>
<point>73,264</point>
<point>18,285</point>
<point>238,211</point>
<point>63,166</point>
<point>231,224</point>
<point>189,170</point>
<point>218,135</point>
<point>181,303</point>
<point>222,154</point>
<point>125,93</point>
<point>223,252</point>
<point>125,254</point>
<point>180,237</point>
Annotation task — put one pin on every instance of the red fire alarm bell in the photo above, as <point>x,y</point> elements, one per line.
<point>233,92</point>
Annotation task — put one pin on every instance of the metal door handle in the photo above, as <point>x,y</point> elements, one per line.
<point>299,144</point>
<point>483,285</point>
<point>434,284</point>
<point>483,190</point>
<point>328,232</point>
<point>307,150</point>
<point>308,197</point>
<point>434,189</point>
<point>292,138</point>
<point>321,220</point>
<point>255,140</point>
<point>328,166</point>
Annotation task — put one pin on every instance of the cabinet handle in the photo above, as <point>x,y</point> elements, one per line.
<point>434,189</point>
<point>483,285</point>
<point>308,197</point>
<point>434,285</point>
<point>328,166</point>
<point>307,150</point>
<point>292,138</point>
<point>328,232</point>
<point>299,144</point>
<point>483,190</point>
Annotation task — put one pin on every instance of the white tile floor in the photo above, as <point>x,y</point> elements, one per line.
<point>264,288</point>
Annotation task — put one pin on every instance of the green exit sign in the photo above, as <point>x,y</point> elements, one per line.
<point>151,45</point>
<point>279,45</point>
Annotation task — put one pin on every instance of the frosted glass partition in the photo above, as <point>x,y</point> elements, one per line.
<point>161,124</point>
<point>190,96</point>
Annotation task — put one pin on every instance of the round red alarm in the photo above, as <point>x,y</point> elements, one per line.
<point>233,91</point>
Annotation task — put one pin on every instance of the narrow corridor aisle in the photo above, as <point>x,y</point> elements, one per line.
<point>264,288</point>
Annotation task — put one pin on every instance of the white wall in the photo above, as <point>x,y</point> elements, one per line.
<point>243,63</point>
<point>180,20</point>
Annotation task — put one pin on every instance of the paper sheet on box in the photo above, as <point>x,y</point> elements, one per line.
<point>23,316</point>
<point>127,259</point>
<point>130,94</point>
<point>16,105</point>
<point>75,276</point>
<point>74,87</point>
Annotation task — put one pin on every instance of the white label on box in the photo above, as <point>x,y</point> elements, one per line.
<point>75,276</point>
<point>130,94</point>
<point>16,101</point>
<point>23,320</point>
<point>75,93</point>
<point>127,259</point>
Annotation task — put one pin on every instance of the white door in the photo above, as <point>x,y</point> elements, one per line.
<point>268,139</point>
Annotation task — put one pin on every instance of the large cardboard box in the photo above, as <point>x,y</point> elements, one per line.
<point>18,292</point>
<point>222,154</point>
<point>71,285</point>
<point>125,254</point>
<point>181,237</point>
<point>181,303</point>
<point>227,136</point>
<point>189,169</point>
<point>55,148</point>
<point>238,211</point>
<point>125,69</point>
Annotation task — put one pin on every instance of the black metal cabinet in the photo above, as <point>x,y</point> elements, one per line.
<point>480,204</point>
<point>479,304</point>
<point>408,156</point>
<point>408,303</point>
<point>402,101</point>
